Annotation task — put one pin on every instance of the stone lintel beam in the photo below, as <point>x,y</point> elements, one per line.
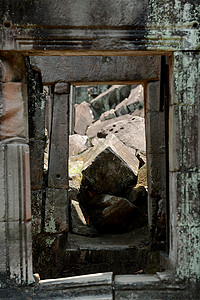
<point>98,69</point>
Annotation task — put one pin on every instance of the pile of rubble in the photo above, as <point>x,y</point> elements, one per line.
<point>107,164</point>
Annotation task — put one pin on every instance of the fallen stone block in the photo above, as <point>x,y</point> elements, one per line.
<point>135,99</point>
<point>83,117</point>
<point>131,132</point>
<point>110,166</point>
<point>138,196</point>
<point>78,222</point>
<point>142,176</point>
<point>77,144</point>
<point>109,99</point>
<point>98,125</point>
<point>121,109</point>
<point>107,115</point>
<point>111,214</point>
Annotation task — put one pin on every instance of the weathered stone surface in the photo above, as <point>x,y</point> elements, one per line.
<point>109,99</point>
<point>56,211</point>
<point>110,114</point>
<point>36,211</point>
<point>184,220</point>
<point>81,32</point>
<point>37,148</point>
<point>156,132</point>
<point>110,214</point>
<point>138,196</point>
<point>108,172</point>
<point>83,117</point>
<point>183,150</point>
<point>14,118</point>
<point>48,254</point>
<point>98,125</point>
<point>73,191</point>
<point>3,248</point>
<point>119,157</point>
<point>157,176</point>
<point>107,68</point>
<point>139,113</point>
<point>78,222</point>
<point>131,132</point>
<point>62,88</point>
<point>77,144</point>
<point>142,176</point>
<point>153,99</point>
<point>136,98</point>
<point>121,109</point>
<point>82,93</point>
<point>15,182</point>
<point>157,194</point>
<point>58,164</point>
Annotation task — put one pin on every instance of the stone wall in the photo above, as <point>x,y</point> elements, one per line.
<point>92,28</point>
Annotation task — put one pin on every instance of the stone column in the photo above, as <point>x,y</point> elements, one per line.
<point>36,116</point>
<point>156,164</point>
<point>184,159</point>
<point>15,200</point>
<point>72,102</point>
<point>56,210</point>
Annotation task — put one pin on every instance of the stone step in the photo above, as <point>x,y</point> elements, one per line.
<point>119,260</point>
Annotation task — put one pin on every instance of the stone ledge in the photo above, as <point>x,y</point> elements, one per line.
<point>78,281</point>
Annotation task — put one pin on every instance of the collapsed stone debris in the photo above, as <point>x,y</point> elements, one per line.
<point>110,168</point>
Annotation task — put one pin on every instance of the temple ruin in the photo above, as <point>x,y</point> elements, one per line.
<point>47,49</point>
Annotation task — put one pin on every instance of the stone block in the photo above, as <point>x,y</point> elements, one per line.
<point>98,125</point>
<point>37,148</point>
<point>19,243</point>
<point>184,223</point>
<point>3,228</point>
<point>14,122</point>
<point>37,116</point>
<point>136,98</point>
<point>107,115</point>
<point>184,139</point>
<point>107,68</point>
<point>58,157</point>
<point>153,96</point>
<point>15,173</point>
<point>156,175</point>
<point>77,144</point>
<point>129,130</point>
<point>185,79</point>
<point>56,211</point>
<point>121,109</point>
<point>155,132</point>
<point>109,99</point>
<point>127,282</point>
<point>36,211</point>
<point>83,117</point>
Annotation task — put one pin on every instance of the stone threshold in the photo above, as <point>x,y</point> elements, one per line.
<point>105,286</point>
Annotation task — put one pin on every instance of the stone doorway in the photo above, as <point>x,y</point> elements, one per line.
<point>55,220</point>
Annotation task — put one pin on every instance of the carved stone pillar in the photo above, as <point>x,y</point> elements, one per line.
<point>15,200</point>
<point>156,163</point>
<point>184,164</point>
<point>56,210</point>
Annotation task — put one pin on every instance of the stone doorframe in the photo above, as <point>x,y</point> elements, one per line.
<point>16,258</point>
<point>15,171</point>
